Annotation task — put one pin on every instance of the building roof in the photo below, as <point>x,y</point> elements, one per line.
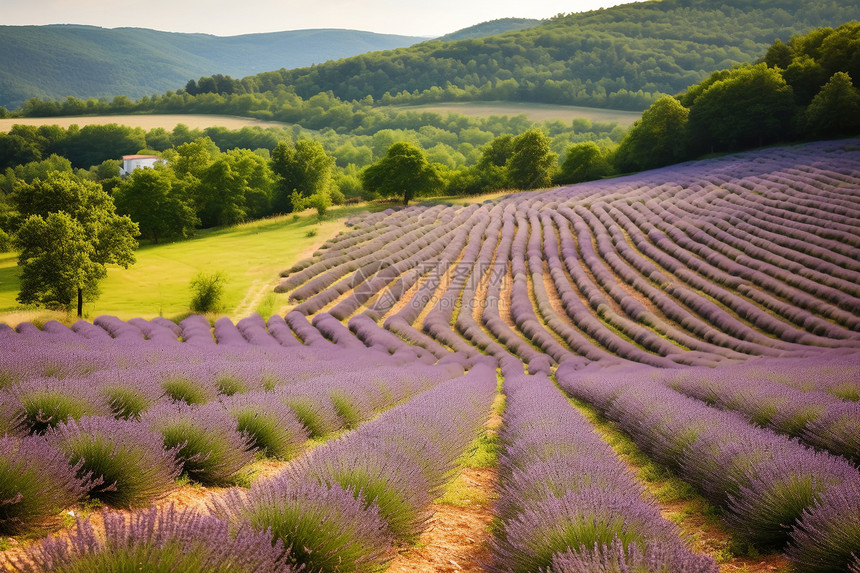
<point>127,157</point>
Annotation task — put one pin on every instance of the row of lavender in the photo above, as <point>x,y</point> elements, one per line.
<point>818,404</point>
<point>567,503</point>
<point>774,490</point>
<point>344,507</point>
<point>698,264</point>
<point>118,421</point>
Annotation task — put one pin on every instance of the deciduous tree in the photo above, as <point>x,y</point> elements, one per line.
<point>151,198</point>
<point>69,233</point>
<point>585,161</point>
<point>304,168</point>
<point>835,110</point>
<point>403,172</point>
<point>751,107</point>
<point>532,162</point>
<point>658,139</point>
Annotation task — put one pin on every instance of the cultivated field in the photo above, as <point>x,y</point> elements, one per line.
<point>533,111</point>
<point>658,372</point>
<point>147,122</point>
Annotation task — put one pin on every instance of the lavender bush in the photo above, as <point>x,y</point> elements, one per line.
<point>36,482</point>
<point>126,458</point>
<point>207,444</point>
<point>164,539</point>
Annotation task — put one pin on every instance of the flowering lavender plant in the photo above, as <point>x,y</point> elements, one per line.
<point>125,456</point>
<point>165,539</point>
<point>36,482</point>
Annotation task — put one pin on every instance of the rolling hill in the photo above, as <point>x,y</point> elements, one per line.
<point>57,61</point>
<point>620,57</point>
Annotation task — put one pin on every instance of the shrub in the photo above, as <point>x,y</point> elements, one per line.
<point>36,483</point>
<point>270,426</point>
<point>229,385</point>
<point>826,538</point>
<point>181,389</point>
<point>207,290</point>
<point>163,539</point>
<point>209,448</point>
<point>327,528</point>
<point>125,456</point>
<point>654,558</point>
<point>126,402</point>
<point>45,408</point>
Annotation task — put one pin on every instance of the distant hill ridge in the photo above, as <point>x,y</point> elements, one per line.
<point>56,61</point>
<point>491,28</point>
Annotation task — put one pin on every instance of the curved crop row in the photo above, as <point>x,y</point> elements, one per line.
<point>567,498</point>
<point>768,485</point>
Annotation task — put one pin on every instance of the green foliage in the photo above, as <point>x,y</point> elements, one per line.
<point>622,57</point>
<point>33,170</point>
<point>229,385</point>
<point>236,187</point>
<point>751,107</point>
<point>304,168</point>
<point>309,415</point>
<point>584,162</point>
<point>182,389</point>
<point>155,200</point>
<point>207,291</point>
<point>346,409</point>
<point>205,456</point>
<point>659,138</point>
<point>403,172</point>
<point>129,474</point>
<point>755,105</point>
<point>126,402</point>
<point>835,110</point>
<point>267,434</point>
<point>70,232</point>
<point>43,409</point>
<point>532,163</point>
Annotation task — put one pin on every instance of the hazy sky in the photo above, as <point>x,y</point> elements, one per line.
<point>234,17</point>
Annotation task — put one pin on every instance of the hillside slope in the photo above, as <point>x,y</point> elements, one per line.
<point>700,263</point>
<point>86,61</point>
<point>618,57</point>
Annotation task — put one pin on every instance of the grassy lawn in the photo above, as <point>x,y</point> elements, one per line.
<point>250,256</point>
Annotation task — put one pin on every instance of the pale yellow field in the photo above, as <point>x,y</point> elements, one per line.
<point>147,122</point>
<point>533,111</point>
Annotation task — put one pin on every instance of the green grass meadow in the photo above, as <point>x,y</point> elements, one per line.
<point>250,256</point>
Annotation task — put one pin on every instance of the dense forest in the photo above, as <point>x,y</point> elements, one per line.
<point>623,57</point>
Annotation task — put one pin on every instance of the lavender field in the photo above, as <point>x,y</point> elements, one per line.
<point>709,311</point>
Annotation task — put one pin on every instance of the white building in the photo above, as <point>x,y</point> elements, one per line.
<point>132,162</point>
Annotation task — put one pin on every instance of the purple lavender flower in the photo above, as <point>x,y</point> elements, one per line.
<point>165,539</point>
<point>36,482</point>
<point>125,456</point>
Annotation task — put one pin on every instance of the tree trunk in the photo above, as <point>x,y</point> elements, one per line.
<point>80,302</point>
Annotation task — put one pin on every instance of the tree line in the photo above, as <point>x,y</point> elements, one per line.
<point>805,89</point>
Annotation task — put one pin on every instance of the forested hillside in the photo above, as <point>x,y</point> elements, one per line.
<point>490,28</point>
<point>86,61</point>
<point>620,57</point>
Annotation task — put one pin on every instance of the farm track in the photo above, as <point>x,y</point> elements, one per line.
<point>712,263</point>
